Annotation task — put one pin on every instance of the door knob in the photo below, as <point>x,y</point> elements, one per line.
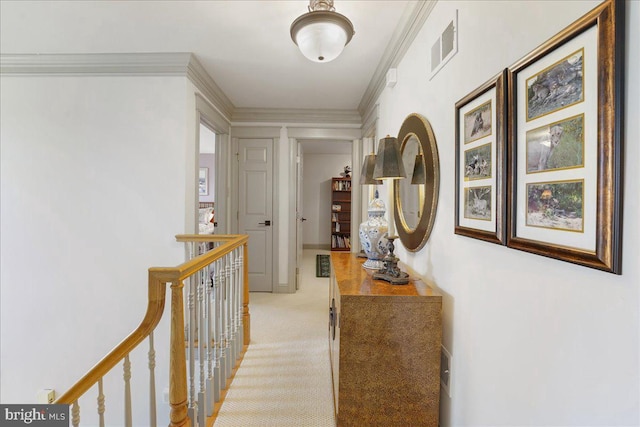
<point>303,219</point>
<point>267,223</point>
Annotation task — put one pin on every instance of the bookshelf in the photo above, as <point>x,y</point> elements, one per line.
<point>340,214</point>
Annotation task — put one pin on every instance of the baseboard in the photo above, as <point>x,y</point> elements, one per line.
<point>322,246</point>
<point>283,288</point>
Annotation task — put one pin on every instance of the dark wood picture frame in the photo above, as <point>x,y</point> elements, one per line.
<point>595,39</point>
<point>493,229</point>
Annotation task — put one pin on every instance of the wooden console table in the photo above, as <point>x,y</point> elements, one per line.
<point>384,343</point>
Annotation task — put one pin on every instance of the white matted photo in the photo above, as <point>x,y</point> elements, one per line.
<point>564,145</point>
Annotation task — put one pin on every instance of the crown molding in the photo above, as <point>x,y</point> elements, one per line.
<point>203,81</point>
<point>120,64</point>
<point>154,64</point>
<point>370,121</point>
<point>296,117</point>
<point>413,20</point>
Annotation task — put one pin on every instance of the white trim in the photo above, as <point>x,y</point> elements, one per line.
<point>292,125</point>
<point>328,133</point>
<point>310,132</point>
<point>295,117</point>
<point>150,64</point>
<point>356,191</point>
<point>370,121</point>
<point>120,64</point>
<point>234,171</point>
<point>203,81</point>
<point>276,286</point>
<point>211,116</point>
<point>161,64</point>
<point>292,225</point>
<point>222,197</point>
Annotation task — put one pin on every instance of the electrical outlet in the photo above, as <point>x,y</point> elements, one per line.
<point>165,395</point>
<point>445,370</point>
<point>46,396</point>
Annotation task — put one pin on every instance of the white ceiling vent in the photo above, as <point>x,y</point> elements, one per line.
<point>445,47</point>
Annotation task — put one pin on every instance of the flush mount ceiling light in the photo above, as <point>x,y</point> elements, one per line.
<point>322,33</point>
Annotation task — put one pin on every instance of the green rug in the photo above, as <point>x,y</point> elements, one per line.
<point>322,266</point>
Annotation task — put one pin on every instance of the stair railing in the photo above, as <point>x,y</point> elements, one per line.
<point>215,332</point>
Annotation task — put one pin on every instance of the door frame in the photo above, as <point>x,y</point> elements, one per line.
<point>207,115</point>
<point>356,197</point>
<point>299,173</point>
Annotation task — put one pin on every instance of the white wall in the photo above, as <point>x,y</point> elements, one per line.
<point>92,193</point>
<point>534,341</point>
<point>316,201</point>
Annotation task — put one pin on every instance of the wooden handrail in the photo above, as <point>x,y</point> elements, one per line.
<point>155,308</point>
<point>181,272</point>
<point>158,278</point>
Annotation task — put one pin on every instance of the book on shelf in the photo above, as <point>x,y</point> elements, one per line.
<point>340,242</point>
<point>342,186</point>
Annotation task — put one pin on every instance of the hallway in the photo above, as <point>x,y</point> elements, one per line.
<point>285,377</point>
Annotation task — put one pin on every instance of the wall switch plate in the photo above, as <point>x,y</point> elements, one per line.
<point>445,370</point>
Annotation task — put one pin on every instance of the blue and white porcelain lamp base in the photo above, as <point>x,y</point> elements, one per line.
<point>373,236</point>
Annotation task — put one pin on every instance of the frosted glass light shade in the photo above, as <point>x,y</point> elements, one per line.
<point>321,35</point>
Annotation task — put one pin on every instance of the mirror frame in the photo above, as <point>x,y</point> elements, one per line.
<point>415,239</point>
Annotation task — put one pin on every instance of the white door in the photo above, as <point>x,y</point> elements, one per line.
<point>255,209</point>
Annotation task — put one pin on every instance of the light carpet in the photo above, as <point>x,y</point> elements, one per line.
<point>285,377</point>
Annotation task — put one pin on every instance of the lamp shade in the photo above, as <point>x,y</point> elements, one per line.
<point>321,35</point>
<point>418,176</point>
<point>389,160</point>
<point>366,176</point>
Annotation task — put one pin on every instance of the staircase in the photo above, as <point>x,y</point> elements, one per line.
<point>209,332</point>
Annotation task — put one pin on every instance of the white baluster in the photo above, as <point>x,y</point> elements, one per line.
<point>216,331</point>
<point>202,343</point>
<point>75,414</point>
<point>227,314</point>
<point>238,302</point>
<point>209,315</point>
<point>240,299</point>
<point>191,349</point>
<point>152,383</point>
<point>232,305</point>
<point>127,391</point>
<point>100,403</point>
<point>221,325</point>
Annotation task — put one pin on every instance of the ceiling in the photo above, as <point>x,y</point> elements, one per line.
<point>244,46</point>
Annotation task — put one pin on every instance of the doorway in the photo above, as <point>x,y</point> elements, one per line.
<point>323,160</point>
<point>207,178</point>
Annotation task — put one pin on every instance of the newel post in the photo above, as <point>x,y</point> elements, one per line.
<point>246,318</point>
<point>177,363</point>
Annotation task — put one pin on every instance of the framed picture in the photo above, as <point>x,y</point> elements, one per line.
<point>565,101</point>
<point>481,162</point>
<point>203,182</point>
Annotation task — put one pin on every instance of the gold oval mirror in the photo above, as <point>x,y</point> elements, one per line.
<point>416,196</point>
